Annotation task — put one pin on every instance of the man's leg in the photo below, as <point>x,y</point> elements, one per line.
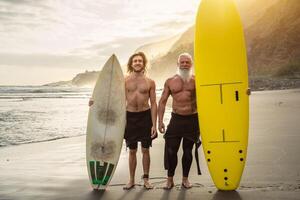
<point>132,166</point>
<point>146,165</point>
<point>172,149</point>
<point>187,159</point>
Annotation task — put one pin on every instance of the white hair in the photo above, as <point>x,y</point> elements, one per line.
<point>186,55</point>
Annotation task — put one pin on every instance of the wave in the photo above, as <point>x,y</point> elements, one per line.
<point>50,91</point>
<point>37,141</point>
<point>43,97</point>
<point>42,89</point>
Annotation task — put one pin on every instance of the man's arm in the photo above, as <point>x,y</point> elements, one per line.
<point>153,108</point>
<point>162,105</point>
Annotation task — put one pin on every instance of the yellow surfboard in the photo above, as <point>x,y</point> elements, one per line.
<point>221,85</point>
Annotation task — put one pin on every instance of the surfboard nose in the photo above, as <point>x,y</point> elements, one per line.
<point>113,56</point>
<point>112,62</point>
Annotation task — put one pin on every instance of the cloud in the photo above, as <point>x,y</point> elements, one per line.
<point>123,47</point>
<point>47,60</point>
<point>19,15</point>
<point>79,33</point>
<point>66,26</point>
<point>175,26</point>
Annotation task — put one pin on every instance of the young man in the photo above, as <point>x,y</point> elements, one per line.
<point>184,119</point>
<point>140,116</point>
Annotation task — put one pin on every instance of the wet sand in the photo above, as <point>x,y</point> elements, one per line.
<point>57,169</point>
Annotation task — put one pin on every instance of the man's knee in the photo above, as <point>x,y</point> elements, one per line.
<point>187,152</point>
<point>145,151</point>
<point>187,146</point>
<point>132,152</point>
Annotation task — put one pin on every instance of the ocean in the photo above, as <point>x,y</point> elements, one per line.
<point>40,113</point>
<point>35,114</point>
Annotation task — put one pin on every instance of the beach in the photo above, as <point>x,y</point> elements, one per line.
<point>56,169</point>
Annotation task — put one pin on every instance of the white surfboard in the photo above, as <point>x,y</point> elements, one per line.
<point>106,124</point>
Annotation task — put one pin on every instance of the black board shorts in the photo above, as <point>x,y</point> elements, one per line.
<point>138,129</point>
<point>185,126</point>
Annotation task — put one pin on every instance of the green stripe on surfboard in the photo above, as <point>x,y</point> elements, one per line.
<point>98,172</point>
<point>108,174</point>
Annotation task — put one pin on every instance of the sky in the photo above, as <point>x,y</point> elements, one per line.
<point>45,41</point>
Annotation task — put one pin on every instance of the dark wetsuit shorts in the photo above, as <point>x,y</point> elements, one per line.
<point>138,129</point>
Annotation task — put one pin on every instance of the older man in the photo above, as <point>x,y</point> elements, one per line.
<point>184,120</point>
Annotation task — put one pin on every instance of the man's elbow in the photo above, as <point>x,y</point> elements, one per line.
<point>161,103</point>
<point>153,104</point>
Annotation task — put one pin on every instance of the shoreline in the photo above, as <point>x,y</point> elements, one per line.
<point>266,83</point>
<point>168,107</point>
<point>57,169</point>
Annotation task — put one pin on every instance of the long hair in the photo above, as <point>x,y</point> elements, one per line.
<point>129,64</point>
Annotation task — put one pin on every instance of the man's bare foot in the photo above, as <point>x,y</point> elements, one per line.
<point>129,186</point>
<point>169,184</point>
<point>186,184</point>
<point>147,185</point>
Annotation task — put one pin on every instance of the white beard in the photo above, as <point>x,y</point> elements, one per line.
<point>185,74</point>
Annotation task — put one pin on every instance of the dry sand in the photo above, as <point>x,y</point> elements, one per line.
<point>57,169</point>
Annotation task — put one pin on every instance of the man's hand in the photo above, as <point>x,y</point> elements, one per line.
<point>161,127</point>
<point>248,92</point>
<point>153,132</point>
<point>91,102</point>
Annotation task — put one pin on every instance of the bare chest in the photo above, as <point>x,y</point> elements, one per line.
<point>137,86</point>
<point>178,86</point>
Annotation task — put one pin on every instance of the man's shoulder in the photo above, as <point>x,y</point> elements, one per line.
<point>127,78</point>
<point>175,77</point>
<point>170,79</point>
<point>150,81</point>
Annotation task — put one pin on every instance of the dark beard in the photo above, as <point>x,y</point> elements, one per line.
<point>137,71</point>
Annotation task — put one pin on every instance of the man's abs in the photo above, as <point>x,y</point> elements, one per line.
<point>182,109</point>
<point>137,102</point>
